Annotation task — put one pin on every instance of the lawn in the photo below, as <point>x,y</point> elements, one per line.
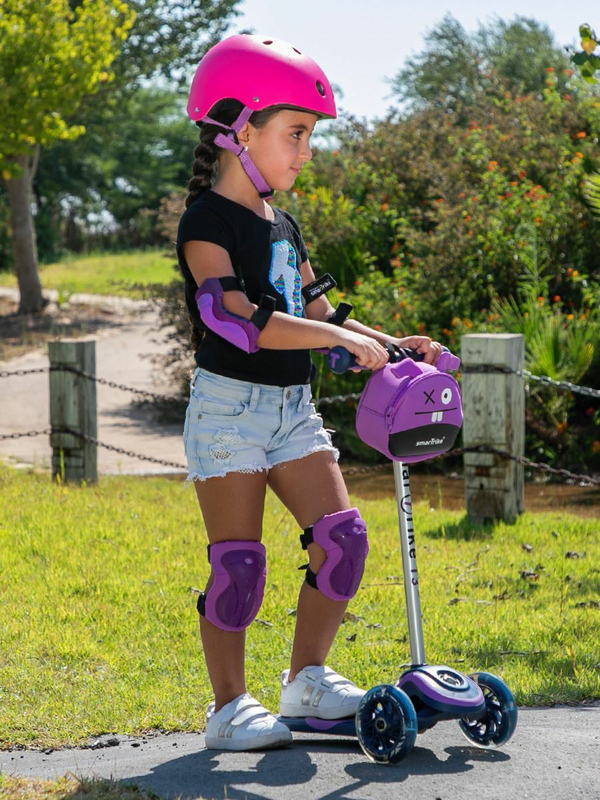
<point>106,273</point>
<point>98,628</point>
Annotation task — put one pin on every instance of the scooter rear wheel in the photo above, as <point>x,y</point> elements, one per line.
<point>386,724</point>
<point>500,720</point>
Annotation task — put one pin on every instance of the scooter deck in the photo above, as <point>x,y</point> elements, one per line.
<point>331,727</point>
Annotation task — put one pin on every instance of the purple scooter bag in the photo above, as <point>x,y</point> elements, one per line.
<point>411,411</point>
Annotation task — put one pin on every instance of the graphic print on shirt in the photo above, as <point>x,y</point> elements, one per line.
<point>285,276</point>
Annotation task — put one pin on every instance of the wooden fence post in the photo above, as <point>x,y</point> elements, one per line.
<point>73,405</point>
<point>494,409</point>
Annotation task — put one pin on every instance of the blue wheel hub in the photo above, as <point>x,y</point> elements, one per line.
<point>386,724</point>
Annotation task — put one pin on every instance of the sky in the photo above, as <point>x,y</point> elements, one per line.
<point>359,42</point>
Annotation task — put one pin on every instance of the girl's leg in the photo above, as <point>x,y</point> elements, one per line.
<point>311,487</point>
<point>232,508</point>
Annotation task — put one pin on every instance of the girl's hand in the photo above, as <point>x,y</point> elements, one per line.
<point>369,353</point>
<point>422,344</point>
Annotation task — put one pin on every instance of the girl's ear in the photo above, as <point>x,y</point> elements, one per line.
<point>244,134</point>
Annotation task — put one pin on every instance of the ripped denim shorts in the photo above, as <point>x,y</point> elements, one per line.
<point>238,426</point>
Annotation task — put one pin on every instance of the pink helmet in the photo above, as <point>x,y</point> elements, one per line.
<point>259,72</point>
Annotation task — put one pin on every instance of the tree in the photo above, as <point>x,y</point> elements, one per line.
<point>50,57</point>
<point>455,68</point>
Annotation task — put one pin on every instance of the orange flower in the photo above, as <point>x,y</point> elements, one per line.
<point>395,262</point>
<point>358,282</point>
<point>566,97</point>
<point>557,298</point>
<point>492,165</point>
<point>335,153</point>
<point>514,183</point>
<point>575,273</point>
<point>537,220</point>
<point>462,194</point>
<point>578,154</point>
<point>378,327</point>
<point>561,427</point>
<point>570,316</point>
<point>580,135</point>
<point>440,200</point>
<point>396,315</point>
<point>549,69</point>
<point>467,217</point>
<point>568,72</point>
<point>470,233</point>
<point>522,174</point>
<point>384,206</point>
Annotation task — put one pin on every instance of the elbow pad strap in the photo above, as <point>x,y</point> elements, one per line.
<point>340,314</point>
<point>266,306</point>
<point>237,330</point>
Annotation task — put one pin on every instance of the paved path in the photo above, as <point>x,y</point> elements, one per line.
<point>122,352</point>
<point>554,753</point>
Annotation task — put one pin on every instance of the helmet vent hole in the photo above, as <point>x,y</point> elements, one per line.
<point>296,51</point>
<point>268,41</point>
<point>320,88</point>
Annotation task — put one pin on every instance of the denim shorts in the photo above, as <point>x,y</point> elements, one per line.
<point>238,426</point>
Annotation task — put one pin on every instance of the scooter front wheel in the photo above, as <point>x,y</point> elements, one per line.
<point>386,724</point>
<point>500,720</point>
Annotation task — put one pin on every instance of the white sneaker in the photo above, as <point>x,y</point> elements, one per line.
<point>243,724</point>
<point>318,692</point>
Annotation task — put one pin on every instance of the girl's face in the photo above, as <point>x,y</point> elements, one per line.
<point>280,149</point>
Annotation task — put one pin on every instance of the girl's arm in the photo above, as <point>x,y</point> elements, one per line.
<point>321,309</point>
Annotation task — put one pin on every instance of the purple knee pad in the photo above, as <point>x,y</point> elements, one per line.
<point>240,571</point>
<point>343,537</point>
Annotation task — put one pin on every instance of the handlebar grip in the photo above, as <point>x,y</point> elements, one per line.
<point>340,359</point>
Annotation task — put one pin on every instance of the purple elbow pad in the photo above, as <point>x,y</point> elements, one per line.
<point>236,594</point>
<point>241,332</point>
<point>343,537</point>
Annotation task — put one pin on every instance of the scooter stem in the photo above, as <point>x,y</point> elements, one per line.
<point>409,564</point>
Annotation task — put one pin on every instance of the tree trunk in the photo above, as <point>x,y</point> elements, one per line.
<point>23,236</point>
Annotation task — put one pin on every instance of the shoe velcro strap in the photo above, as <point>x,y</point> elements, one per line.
<point>331,679</point>
<point>247,711</point>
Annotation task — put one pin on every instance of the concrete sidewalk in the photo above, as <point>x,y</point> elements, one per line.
<point>554,753</point>
<point>123,353</point>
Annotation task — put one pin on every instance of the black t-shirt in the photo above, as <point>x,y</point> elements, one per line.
<point>266,257</point>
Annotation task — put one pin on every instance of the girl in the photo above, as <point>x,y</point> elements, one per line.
<point>256,311</point>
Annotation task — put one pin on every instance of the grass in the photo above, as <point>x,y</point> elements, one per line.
<point>98,628</point>
<point>69,788</point>
<point>107,273</point>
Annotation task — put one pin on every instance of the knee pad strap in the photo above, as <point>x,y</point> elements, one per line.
<point>343,537</point>
<point>235,596</point>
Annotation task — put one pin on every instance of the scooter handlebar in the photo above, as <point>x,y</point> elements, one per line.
<point>340,359</point>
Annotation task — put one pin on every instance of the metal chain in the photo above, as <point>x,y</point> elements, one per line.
<point>347,473</point>
<point>120,450</point>
<point>337,398</point>
<point>65,368</point>
<point>563,386</point>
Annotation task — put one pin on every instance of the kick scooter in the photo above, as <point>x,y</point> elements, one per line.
<point>389,717</point>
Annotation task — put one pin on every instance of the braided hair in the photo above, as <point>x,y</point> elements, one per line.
<point>206,162</point>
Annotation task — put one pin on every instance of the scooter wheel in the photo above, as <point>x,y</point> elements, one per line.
<point>386,724</point>
<point>500,720</point>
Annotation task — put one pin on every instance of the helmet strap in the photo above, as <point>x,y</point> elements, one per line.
<point>230,142</point>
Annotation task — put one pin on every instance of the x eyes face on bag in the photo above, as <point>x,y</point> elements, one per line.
<point>411,411</point>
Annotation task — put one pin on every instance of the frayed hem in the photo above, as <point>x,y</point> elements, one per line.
<point>320,448</point>
<point>245,469</point>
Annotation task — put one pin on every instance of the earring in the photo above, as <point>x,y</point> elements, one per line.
<point>246,149</point>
